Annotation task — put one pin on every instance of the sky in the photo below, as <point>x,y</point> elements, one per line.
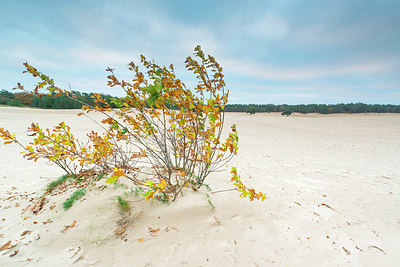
<point>279,52</point>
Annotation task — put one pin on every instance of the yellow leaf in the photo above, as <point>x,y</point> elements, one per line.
<point>141,239</point>
<point>112,179</point>
<point>162,185</point>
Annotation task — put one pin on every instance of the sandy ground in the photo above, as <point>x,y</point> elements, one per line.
<point>333,186</point>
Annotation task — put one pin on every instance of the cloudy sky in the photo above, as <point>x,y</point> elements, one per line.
<point>283,51</point>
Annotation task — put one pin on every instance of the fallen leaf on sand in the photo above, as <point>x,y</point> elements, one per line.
<point>141,239</point>
<point>5,246</point>
<point>14,253</point>
<point>29,259</point>
<point>154,232</point>
<point>52,206</point>
<point>123,238</point>
<point>26,232</point>
<point>25,209</point>
<point>217,220</point>
<point>323,204</point>
<point>120,230</point>
<point>38,206</point>
<point>345,250</point>
<point>48,221</point>
<point>68,227</point>
<point>37,237</point>
<point>26,217</point>
<point>174,228</point>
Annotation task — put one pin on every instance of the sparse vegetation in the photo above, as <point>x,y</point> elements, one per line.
<point>287,112</point>
<point>74,197</point>
<point>51,186</point>
<point>123,204</point>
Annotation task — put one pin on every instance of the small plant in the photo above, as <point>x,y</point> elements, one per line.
<point>251,110</point>
<point>74,197</point>
<point>287,112</point>
<point>138,191</point>
<point>123,204</point>
<point>164,198</point>
<point>212,206</point>
<point>51,186</point>
<point>162,136</point>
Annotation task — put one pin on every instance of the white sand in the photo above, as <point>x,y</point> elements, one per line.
<point>333,185</point>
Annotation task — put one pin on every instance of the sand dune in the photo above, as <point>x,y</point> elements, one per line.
<point>333,186</point>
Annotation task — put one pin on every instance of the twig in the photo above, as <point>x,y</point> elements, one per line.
<point>225,190</point>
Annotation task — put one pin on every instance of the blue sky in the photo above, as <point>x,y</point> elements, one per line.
<point>272,51</point>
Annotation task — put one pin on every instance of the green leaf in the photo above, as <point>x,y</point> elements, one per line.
<point>112,179</point>
<point>154,90</point>
<point>124,130</point>
<point>212,117</point>
<point>149,183</point>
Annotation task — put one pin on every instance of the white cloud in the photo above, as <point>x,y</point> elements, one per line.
<point>102,57</point>
<point>269,27</point>
<point>265,71</point>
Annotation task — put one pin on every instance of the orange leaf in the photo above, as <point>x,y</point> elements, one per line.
<point>140,239</point>
<point>7,245</point>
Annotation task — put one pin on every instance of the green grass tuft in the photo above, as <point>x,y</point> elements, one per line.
<point>212,206</point>
<point>51,186</point>
<point>74,197</point>
<point>138,191</point>
<point>119,185</point>
<point>123,204</point>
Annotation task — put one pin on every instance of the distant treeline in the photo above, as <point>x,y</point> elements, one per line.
<point>315,108</point>
<point>48,102</point>
<point>62,102</point>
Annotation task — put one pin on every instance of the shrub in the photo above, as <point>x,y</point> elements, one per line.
<point>163,136</point>
<point>251,110</point>
<point>287,112</point>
